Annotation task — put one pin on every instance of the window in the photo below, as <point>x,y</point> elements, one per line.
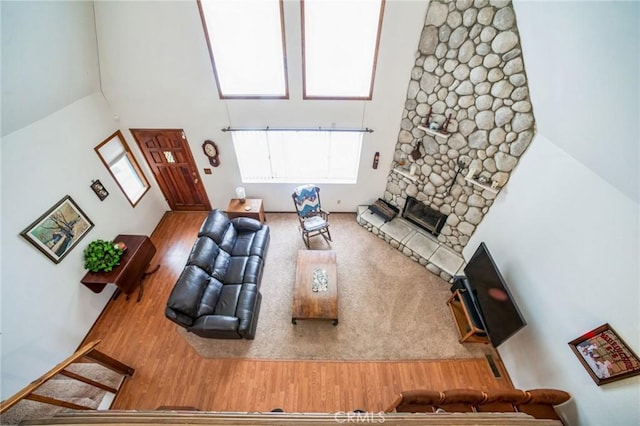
<point>298,156</point>
<point>117,158</point>
<point>340,47</point>
<point>246,46</point>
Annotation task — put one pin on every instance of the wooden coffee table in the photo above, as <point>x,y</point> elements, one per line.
<point>321,304</point>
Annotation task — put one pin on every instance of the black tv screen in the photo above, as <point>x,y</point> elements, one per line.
<point>499,311</point>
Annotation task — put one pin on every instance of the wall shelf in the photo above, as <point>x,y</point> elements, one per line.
<point>433,132</point>
<point>405,173</point>
<point>481,185</point>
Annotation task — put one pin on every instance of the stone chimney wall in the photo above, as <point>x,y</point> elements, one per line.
<point>469,64</point>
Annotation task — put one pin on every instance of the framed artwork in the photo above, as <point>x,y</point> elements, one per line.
<point>59,230</point>
<point>99,189</point>
<point>605,356</point>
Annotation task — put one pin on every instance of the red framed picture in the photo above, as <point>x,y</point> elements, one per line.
<point>605,356</point>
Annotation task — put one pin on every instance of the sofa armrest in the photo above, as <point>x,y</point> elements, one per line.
<point>216,326</point>
<point>178,317</point>
<point>248,304</point>
<point>261,242</point>
<point>246,224</point>
<point>248,311</point>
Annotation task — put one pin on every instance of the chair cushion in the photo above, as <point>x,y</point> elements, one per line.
<point>314,223</point>
<point>306,199</point>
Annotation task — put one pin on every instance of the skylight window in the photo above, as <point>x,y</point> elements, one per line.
<point>246,45</point>
<point>340,46</point>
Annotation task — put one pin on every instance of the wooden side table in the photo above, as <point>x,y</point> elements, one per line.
<point>252,207</point>
<point>131,271</point>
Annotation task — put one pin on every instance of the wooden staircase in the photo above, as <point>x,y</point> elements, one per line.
<point>87,380</point>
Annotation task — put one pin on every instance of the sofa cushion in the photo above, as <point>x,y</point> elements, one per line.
<point>229,239</point>
<point>187,293</point>
<point>215,226</point>
<point>228,300</point>
<point>243,244</point>
<point>210,297</point>
<point>235,272</point>
<point>204,254</point>
<point>221,265</point>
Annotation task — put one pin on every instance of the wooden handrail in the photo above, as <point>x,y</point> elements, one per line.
<point>173,418</point>
<point>88,351</point>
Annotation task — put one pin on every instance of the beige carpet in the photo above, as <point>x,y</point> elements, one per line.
<point>390,307</point>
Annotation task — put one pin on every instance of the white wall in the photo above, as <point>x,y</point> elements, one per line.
<point>587,60</point>
<point>44,42</point>
<point>566,243</point>
<point>47,152</point>
<point>156,73</point>
<point>46,311</point>
<point>565,232</point>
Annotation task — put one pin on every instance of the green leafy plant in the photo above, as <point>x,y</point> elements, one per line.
<point>101,255</point>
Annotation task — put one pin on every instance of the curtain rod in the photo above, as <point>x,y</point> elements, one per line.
<point>291,129</point>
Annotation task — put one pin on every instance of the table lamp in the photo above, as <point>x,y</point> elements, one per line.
<point>240,194</point>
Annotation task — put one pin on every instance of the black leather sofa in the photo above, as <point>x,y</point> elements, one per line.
<point>217,295</point>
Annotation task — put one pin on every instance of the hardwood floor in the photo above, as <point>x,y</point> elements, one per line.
<point>169,372</point>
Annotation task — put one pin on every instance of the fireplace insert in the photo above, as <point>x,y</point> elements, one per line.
<point>425,217</point>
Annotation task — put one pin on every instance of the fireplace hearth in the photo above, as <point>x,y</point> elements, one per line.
<point>423,216</point>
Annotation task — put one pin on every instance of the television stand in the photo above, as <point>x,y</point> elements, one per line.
<point>466,318</point>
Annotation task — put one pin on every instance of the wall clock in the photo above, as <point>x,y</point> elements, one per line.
<point>211,150</point>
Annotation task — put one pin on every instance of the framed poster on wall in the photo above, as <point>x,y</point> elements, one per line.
<point>59,229</point>
<point>605,356</point>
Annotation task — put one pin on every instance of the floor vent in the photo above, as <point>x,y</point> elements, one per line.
<point>493,366</point>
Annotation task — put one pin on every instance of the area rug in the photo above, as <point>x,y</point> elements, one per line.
<point>390,307</point>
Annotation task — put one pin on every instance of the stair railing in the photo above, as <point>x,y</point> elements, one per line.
<point>89,352</point>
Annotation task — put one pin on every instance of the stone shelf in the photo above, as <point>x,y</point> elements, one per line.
<point>481,185</point>
<point>433,132</point>
<point>405,173</point>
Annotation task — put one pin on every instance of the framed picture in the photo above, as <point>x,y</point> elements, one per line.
<point>59,230</point>
<point>605,355</point>
<point>99,189</point>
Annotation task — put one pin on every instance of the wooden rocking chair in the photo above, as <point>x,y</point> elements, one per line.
<point>313,220</point>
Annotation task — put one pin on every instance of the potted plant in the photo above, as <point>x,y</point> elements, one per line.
<point>102,255</point>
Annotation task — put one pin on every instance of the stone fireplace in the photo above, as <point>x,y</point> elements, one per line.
<point>469,67</point>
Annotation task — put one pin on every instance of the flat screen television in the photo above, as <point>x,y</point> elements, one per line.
<point>498,311</point>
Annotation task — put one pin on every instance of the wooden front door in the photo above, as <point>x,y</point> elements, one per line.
<point>168,154</point>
